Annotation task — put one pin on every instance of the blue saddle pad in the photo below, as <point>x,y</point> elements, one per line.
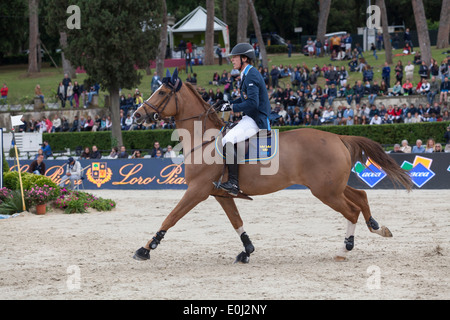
<point>259,147</point>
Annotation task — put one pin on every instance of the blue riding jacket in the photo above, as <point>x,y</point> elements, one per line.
<point>254,99</point>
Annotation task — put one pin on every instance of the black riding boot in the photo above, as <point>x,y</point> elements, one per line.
<point>232,185</point>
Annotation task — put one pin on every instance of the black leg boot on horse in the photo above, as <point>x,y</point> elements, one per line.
<point>232,185</point>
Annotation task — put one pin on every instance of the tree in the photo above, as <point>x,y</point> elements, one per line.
<point>386,36</point>
<point>114,40</point>
<point>209,33</point>
<point>422,30</point>
<point>444,26</point>
<point>242,22</point>
<point>162,47</point>
<point>324,11</point>
<point>56,25</point>
<point>34,47</point>
<point>262,46</point>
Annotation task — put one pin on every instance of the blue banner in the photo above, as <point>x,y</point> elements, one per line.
<point>428,171</point>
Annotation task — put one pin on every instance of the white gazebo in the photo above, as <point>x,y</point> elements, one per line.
<point>192,28</point>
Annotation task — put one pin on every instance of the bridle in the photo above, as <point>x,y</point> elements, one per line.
<point>162,106</point>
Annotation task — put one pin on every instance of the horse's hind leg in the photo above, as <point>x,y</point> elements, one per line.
<point>349,210</point>
<point>229,206</point>
<point>359,197</point>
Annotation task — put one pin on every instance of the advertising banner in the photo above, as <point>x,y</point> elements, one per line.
<point>428,171</point>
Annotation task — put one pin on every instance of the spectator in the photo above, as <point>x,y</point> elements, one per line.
<point>95,154</point>
<point>156,82</point>
<point>170,153</point>
<point>64,124</point>
<point>386,74</point>
<point>397,149</point>
<point>61,92</point>
<point>156,147</point>
<point>397,90</point>
<point>407,38</point>
<point>188,58</point>
<point>274,74</point>
<point>348,93</point>
<point>407,88</point>
<point>88,124</point>
<point>38,93</point>
<point>418,148</point>
<point>219,54</point>
<point>37,166</point>
<point>56,124</point>
<point>86,154</point>
<point>4,92</point>
<point>399,71</point>
<point>73,173</point>
<point>92,92</point>
<point>137,154</point>
<point>75,125</point>
<point>158,154</point>
<point>123,153</point>
<point>47,150</point>
<point>447,136</point>
<point>76,93</point>
<point>424,88</point>
<point>423,71</point>
<point>69,94</point>
<point>430,146</point>
<point>434,90</point>
<point>438,148</point>
<point>405,147</point>
<point>445,87</point>
<point>374,90</point>
<point>114,153</point>
<point>409,71</point>
<point>359,91</point>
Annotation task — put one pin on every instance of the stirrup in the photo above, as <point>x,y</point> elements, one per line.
<point>230,187</point>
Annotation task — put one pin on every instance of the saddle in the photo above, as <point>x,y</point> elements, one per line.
<point>259,147</point>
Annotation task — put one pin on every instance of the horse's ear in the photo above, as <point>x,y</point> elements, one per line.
<point>168,73</point>
<point>175,76</point>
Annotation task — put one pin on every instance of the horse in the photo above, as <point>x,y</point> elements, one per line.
<point>321,161</point>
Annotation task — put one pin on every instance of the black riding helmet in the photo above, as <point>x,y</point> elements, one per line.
<point>244,49</point>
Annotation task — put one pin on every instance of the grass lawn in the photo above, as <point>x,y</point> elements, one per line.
<point>21,85</point>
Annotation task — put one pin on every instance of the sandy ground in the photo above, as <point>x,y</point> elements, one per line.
<point>89,256</point>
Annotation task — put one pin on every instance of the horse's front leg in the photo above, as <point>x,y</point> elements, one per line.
<point>191,198</point>
<point>232,212</point>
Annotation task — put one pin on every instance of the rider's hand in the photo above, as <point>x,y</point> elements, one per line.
<point>221,106</point>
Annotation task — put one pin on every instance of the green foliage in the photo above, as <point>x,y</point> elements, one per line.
<point>13,204</point>
<point>5,163</point>
<point>387,134</point>
<point>139,139</point>
<point>115,36</point>
<point>79,202</point>
<point>12,182</point>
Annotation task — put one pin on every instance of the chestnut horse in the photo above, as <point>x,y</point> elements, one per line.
<point>319,160</point>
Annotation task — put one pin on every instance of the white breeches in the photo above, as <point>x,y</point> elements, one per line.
<point>245,129</point>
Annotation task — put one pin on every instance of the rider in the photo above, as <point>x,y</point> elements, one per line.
<point>253,103</point>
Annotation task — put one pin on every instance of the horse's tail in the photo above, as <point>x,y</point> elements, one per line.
<point>361,148</point>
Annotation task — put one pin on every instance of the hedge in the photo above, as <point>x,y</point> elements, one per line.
<point>143,139</point>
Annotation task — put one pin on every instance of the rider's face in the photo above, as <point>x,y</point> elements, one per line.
<point>236,61</point>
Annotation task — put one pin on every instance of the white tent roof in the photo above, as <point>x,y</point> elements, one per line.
<point>196,21</point>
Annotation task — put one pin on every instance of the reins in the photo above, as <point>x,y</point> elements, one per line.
<point>202,116</point>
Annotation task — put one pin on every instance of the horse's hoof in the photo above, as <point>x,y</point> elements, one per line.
<point>349,243</point>
<point>142,254</point>
<point>340,259</point>
<point>385,232</point>
<point>242,257</point>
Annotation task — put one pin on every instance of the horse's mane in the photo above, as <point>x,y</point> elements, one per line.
<point>212,116</point>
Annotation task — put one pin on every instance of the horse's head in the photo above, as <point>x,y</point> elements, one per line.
<point>163,102</point>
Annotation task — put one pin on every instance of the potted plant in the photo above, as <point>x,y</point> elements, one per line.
<point>39,196</point>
